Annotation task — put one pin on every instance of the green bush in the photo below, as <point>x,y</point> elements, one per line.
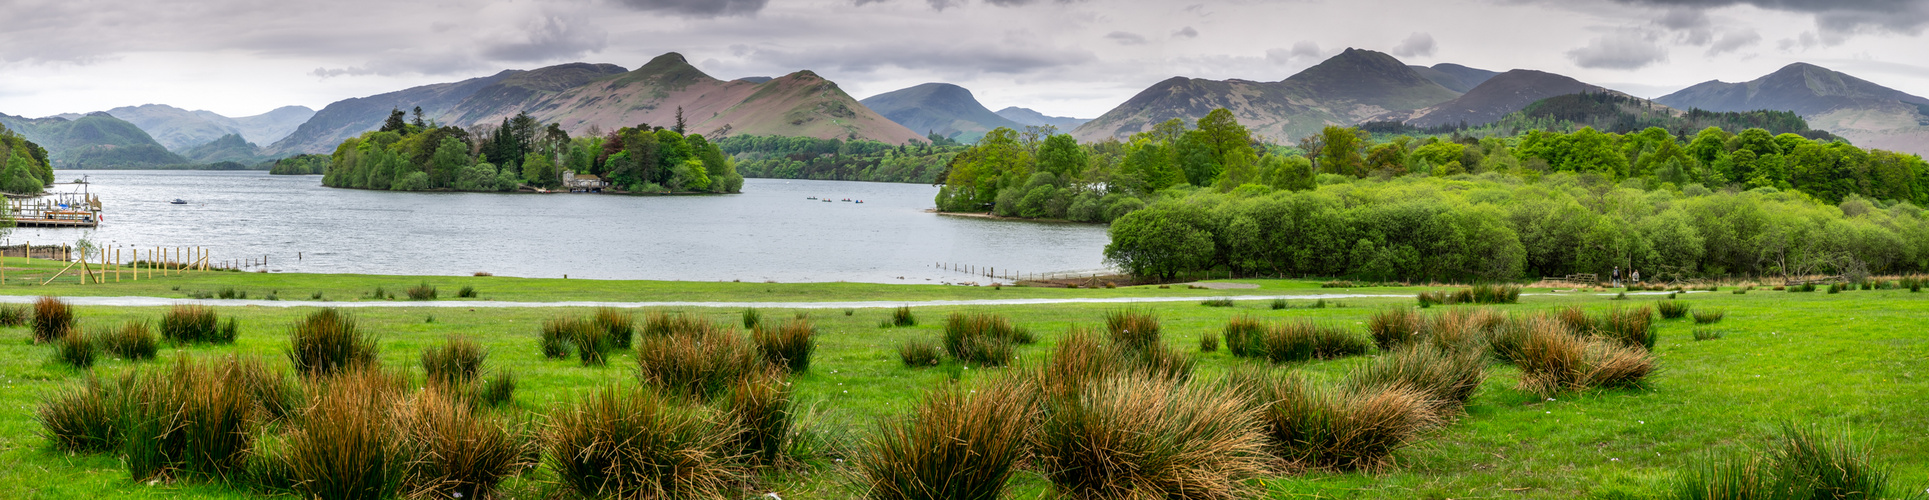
<point>327,342</point>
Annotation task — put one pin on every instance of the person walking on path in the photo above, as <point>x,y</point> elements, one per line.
<point>1635,276</point>
<point>1615,277</point>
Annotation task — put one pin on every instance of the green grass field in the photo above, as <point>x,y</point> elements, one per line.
<point>1857,360</point>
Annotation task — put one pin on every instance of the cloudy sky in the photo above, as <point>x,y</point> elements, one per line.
<point>1063,57</point>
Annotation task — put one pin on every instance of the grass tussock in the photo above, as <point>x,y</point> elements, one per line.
<point>350,442</point>
<point>499,389</point>
<point>787,346</point>
<point>1633,327</point>
<point>1709,334</point>
<point>558,337</point>
<point>1394,327</point>
<point>955,444</point>
<point>1279,304</point>
<point>85,418</point>
<point>919,354</point>
<point>1447,378</point>
<point>1710,316</point>
<point>618,324</point>
<point>329,341</point>
<point>1208,343</point>
<point>132,341</point>
<point>1245,336</point>
<point>902,317</point>
<point>454,363</point>
<point>983,339</point>
<point>762,408</point>
<point>195,325</point>
<point>423,291</point>
<point>1133,329</point>
<point>1553,361</point>
<point>12,315</point>
<point>659,323</point>
<point>467,292</point>
<point>1312,427</point>
<point>1145,437</point>
<point>703,364</point>
<point>76,350</point>
<point>636,443</point>
<point>1802,462</point>
<point>1671,310</point>
<point>195,419</point>
<point>1298,340</point>
<point>52,319</point>
<point>752,317</point>
<point>1218,302</point>
<point>456,451</point>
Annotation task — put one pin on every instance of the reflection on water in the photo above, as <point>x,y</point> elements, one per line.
<point>771,232</point>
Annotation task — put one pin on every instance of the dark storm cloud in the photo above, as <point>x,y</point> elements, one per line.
<point>1733,41</point>
<point>700,8</point>
<point>1124,38</point>
<point>1832,16</point>
<point>1417,44</point>
<point>1618,51</point>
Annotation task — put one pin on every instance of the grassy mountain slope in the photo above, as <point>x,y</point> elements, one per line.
<point>938,108</point>
<point>508,96</point>
<point>1346,89</point>
<point>1027,116</point>
<point>231,147</point>
<point>266,128</point>
<point>1493,99</point>
<point>803,104</point>
<point>1871,115</point>
<point>1455,77</point>
<point>94,140</point>
<point>350,117</point>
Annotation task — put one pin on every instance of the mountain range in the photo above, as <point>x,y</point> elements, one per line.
<point>92,140</point>
<point>179,129</point>
<point>1865,113</point>
<point>1026,116</point>
<point>1492,99</point>
<point>939,108</point>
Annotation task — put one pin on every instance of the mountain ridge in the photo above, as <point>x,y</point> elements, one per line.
<point>944,109</point>
<point>1864,112</point>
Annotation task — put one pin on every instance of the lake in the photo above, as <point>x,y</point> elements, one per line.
<point>770,232</point>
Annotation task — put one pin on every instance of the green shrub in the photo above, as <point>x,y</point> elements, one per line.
<point>1709,316</point>
<point>327,342</point>
<point>955,445</point>
<point>787,346</point>
<point>76,350</point>
<point>701,364</point>
<point>457,452</point>
<point>1148,437</point>
<point>133,341</point>
<point>52,319</point>
<point>422,291</point>
<point>1133,329</point>
<point>12,315</point>
<point>902,317</point>
<point>632,443</point>
<point>1671,310</point>
<point>1218,302</point>
<point>619,325</point>
<point>348,444</point>
<point>467,292</point>
<point>455,363</point>
<point>919,354</point>
<point>196,324</point>
<point>85,418</point>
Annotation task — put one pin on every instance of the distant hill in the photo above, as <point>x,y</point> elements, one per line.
<point>1868,114</point>
<point>230,148</point>
<point>1455,77</point>
<point>93,140</point>
<point>1495,98</point>
<point>179,129</point>
<point>1026,116</point>
<point>1346,89</point>
<point>579,96</point>
<point>939,108</point>
<point>1614,112</point>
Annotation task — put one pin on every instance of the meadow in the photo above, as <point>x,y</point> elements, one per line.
<point>1851,362</point>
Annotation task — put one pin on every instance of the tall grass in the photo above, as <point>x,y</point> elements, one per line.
<point>132,341</point>
<point>1208,343</point>
<point>327,342</point>
<point>1709,316</point>
<point>700,364</point>
<point>634,443</point>
<point>195,419</point>
<point>52,319</point>
<point>1671,310</point>
<point>787,346</point>
<point>457,452</point>
<point>190,324</point>
<point>955,445</point>
<point>902,317</point>
<point>1143,437</point>
<point>1709,334</point>
<point>85,418</point>
<point>12,315</point>
<point>1316,427</point>
<point>619,325</point>
<point>455,363</point>
<point>1802,462</point>
<point>349,444</point>
<point>1133,329</point>
<point>919,354</point>
<point>761,406</point>
<point>1218,302</point>
<point>1301,340</point>
<point>1633,327</point>
<point>1394,327</point>
<point>983,339</point>
<point>1553,361</point>
<point>76,350</point>
<point>1447,378</point>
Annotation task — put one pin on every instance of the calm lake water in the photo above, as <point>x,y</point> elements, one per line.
<point>770,232</point>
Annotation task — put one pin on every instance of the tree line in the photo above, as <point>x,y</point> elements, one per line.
<point>833,159</point>
<point>419,155</point>
<point>24,168</point>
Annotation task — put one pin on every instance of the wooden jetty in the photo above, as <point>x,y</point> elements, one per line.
<point>56,210</point>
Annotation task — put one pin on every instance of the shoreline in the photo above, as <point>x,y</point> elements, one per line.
<point>992,216</point>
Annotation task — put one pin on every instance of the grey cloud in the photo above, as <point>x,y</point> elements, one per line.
<point>1304,49</point>
<point>1733,41</point>
<point>1618,51</point>
<point>700,8</point>
<point>940,5</point>
<point>550,37</point>
<point>405,63</point>
<point>973,58</point>
<point>1186,32</point>
<point>1017,3</point>
<point>1834,17</point>
<point>1692,24</point>
<point>1807,41</point>
<point>1125,38</point>
<point>1417,44</point>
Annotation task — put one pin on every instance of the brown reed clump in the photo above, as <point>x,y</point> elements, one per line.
<point>349,443</point>
<point>132,341</point>
<point>636,443</point>
<point>327,342</point>
<point>955,444</point>
<point>1133,329</point>
<point>920,354</point>
<point>1142,437</point>
<point>983,339</point>
<point>761,405</point>
<point>1448,378</point>
<point>788,345</point>
<point>1313,427</point>
<point>197,418</point>
<point>702,364</point>
<point>189,324</point>
<point>457,452</point>
<point>1394,327</point>
<point>454,363</point>
<point>52,319</point>
<point>618,324</point>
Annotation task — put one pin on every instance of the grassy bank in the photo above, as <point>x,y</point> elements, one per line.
<point>1856,360</point>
